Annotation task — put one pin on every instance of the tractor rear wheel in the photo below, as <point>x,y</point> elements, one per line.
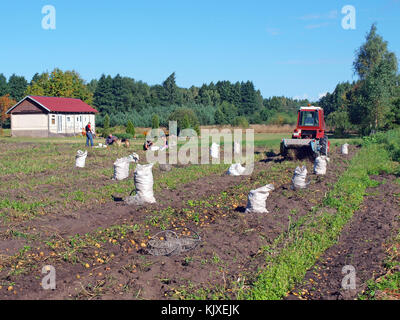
<point>324,146</point>
<point>283,150</point>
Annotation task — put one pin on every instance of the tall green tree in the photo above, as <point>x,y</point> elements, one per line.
<point>155,121</point>
<point>92,85</point>
<point>17,86</point>
<point>185,118</point>
<point>35,78</point>
<point>103,97</point>
<point>58,83</point>
<point>3,85</point>
<point>130,128</point>
<point>170,89</point>
<point>377,69</point>
<point>250,99</point>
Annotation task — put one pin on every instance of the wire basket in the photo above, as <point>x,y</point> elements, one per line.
<point>168,243</point>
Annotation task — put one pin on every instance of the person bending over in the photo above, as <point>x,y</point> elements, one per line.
<point>110,140</point>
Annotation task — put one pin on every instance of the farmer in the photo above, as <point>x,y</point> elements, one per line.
<point>147,145</point>
<point>110,140</point>
<point>89,135</point>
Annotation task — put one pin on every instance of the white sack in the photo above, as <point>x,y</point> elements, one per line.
<point>121,166</point>
<point>80,159</point>
<point>236,170</point>
<point>100,145</point>
<point>299,178</point>
<point>214,151</point>
<point>320,165</point>
<point>345,148</point>
<point>144,185</point>
<point>256,202</point>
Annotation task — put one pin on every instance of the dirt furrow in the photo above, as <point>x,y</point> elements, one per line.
<point>360,246</point>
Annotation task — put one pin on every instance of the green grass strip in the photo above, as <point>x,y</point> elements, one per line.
<point>290,265</point>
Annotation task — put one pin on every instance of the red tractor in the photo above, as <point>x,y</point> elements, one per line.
<point>309,137</point>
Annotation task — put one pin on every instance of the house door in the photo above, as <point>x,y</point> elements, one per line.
<point>59,124</point>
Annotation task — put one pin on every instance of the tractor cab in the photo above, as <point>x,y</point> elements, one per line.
<point>310,123</point>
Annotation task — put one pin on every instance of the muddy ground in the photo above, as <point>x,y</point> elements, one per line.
<point>362,244</point>
<point>227,257</point>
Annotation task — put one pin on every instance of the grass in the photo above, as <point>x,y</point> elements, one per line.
<point>310,240</point>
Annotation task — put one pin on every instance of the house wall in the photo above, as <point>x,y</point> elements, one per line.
<point>71,124</point>
<point>28,107</point>
<point>29,125</point>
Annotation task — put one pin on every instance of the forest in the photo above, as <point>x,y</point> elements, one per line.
<point>370,103</point>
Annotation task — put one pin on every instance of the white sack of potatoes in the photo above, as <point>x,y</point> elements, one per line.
<point>256,201</point>
<point>80,159</point>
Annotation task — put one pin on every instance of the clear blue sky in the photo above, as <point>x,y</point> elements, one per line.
<point>292,48</point>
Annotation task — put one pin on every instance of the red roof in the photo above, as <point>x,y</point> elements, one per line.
<point>55,104</point>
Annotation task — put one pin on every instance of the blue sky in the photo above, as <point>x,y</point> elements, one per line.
<point>291,48</point>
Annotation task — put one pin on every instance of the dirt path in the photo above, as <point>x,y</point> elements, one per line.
<point>361,245</point>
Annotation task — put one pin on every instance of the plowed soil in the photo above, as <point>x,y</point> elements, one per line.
<point>227,255</point>
<point>362,244</point>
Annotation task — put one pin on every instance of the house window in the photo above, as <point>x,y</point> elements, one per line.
<point>53,119</point>
<point>68,119</point>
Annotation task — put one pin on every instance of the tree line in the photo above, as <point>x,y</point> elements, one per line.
<point>124,98</point>
<point>369,104</point>
<point>222,102</point>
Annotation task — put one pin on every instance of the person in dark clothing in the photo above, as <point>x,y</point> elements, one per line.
<point>147,145</point>
<point>110,140</point>
<point>89,135</point>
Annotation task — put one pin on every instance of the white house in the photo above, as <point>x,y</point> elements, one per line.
<point>36,116</point>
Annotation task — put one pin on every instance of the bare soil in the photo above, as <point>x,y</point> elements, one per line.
<point>362,244</point>
<point>228,253</point>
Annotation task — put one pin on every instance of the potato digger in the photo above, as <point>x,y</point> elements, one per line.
<point>309,138</point>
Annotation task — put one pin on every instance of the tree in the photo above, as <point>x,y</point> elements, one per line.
<point>376,67</point>
<point>5,103</point>
<point>106,126</point>
<point>373,53</point>
<point>35,78</point>
<point>250,102</point>
<point>220,117</point>
<point>155,121</point>
<point>3,85</point>
<point>339,99</point>
<point>241,122</point>
<point>67,84</point>
<point>92,85</point>
<point>185,118</point>
<point>16,87</point>
<point>340,122</point>
<point>103,96</point>
<point>170,89</point>
<point>122,93</point>
<point>130,128</point>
